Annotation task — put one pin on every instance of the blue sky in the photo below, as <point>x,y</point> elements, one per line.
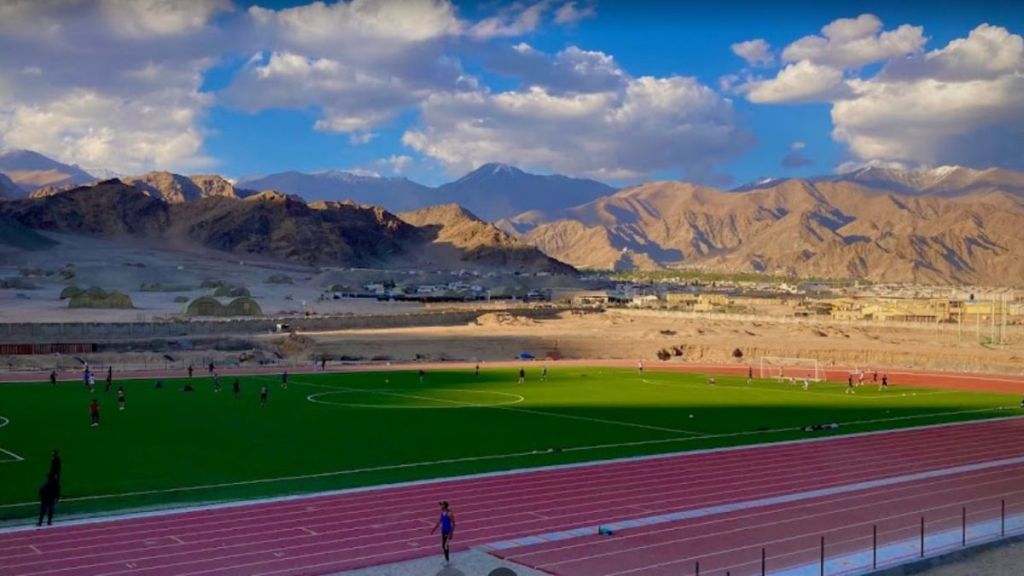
<point>658,91</point>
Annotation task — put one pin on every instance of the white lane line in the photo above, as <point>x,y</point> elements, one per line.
<point>756,503</point>
<point>629,485</point>
<point>441,480</point>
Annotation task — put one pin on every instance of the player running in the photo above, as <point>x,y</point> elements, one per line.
<point>263,395</point>
<point>94,412</point>
<point>422,375</point>
<point>121,400</point>
<point>447,524</point>
<point>885,383</point>
<point>544,374</point>
<point>236,388</point>
<point>110,378</point>
<point>849,385</point>
<point>476,371</point>
<point>53,377</point>
<point>284,380</point>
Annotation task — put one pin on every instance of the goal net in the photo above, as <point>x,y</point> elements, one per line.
<point>794,369</point>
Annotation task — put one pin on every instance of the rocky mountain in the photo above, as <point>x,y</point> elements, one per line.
<point>801,228</point>
<point>336,185</point>
<point>492,191</point>
<point>169,187</point>
<point>273,225</point>
<point>940,181</point>
<point>9,188</point>
<point>495,191</point>
<point>31,170</point>
<point>455,234</point>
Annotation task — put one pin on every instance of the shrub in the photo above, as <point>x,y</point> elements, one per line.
<point>70,292</point>
<point>209,306</point>
<point>99,298</point>
<point>280,279</point>
<point>231,292</point>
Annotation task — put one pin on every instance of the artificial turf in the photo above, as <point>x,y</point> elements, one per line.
<point>171,447</point>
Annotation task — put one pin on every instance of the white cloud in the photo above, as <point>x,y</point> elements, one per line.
<point>571,70</point>
<point>755,52</point>
<point>103,85</point>
<point>515,20</point>
<point>396,163</point>
<point>854,42</point>
<point>803,81</point>
<point>959,104</point>
<point>795,158</point>
<point>646,125</point>
<point>139,18</point>
<point>573,12</point>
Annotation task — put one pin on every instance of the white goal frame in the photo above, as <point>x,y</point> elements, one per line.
<point>795,369</point>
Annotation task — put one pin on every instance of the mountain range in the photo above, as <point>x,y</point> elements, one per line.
<point>795,228</point>
<point>273,225</point>
<point>942,225</point>
<point>492,191</point>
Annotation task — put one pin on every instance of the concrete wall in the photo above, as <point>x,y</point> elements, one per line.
<point>98,332</point>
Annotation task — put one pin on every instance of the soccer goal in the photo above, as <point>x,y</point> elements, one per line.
<point>794,369</point>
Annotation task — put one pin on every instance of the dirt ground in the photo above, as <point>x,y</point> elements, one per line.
<point>636,334</point>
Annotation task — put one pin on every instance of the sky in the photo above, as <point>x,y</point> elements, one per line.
<point>719,93</point>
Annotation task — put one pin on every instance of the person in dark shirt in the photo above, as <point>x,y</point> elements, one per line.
<point>422,375</point>
<point>53,377</point>
<point>94,412</point>
<point>49,494</point>
<point>284,380</point>
<point>211,367</point>
<point>189,370</point>
<point>237,387</point>
<point>110,378</point>
<point>522,375</point>
<point>263,395</point>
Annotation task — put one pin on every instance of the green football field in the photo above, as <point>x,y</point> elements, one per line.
<point>332,431</point>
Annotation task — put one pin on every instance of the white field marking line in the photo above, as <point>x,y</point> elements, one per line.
<point>769,518</point>
<point>984,423</point>
<point>516,400</point>
<point>861,500</point>
<point>836,386</point>
<point>329,532</point>
<point>850,454</point>
<point>250,534</point>
<point>14,458</point>
<point>292,558</point>
<point>275,519</point>
<point>773,500</point>
<point>509,409</point>
<point>778,541</point>
<point>289,548</point>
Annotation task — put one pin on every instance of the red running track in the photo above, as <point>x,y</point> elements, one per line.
<point>329,533</point>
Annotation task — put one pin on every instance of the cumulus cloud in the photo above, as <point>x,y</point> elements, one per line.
<point>92,84</point>
<point>755,52</point>
<point>854,42</point>
<point>803,81</point>
<point>570,70</point>
<point>795,158</point>
<point>962,103</point>
<point>644,125</point>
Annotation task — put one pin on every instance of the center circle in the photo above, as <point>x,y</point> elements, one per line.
<point>414,399</point>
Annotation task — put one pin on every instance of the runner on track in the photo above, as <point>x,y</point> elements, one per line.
<point>447,524</point>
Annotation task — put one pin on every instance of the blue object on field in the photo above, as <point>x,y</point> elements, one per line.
<point>525,356</point>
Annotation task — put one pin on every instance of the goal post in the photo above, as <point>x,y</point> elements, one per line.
<point>782,368</point>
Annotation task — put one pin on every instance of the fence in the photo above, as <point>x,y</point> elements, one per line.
<point>866,546</point>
